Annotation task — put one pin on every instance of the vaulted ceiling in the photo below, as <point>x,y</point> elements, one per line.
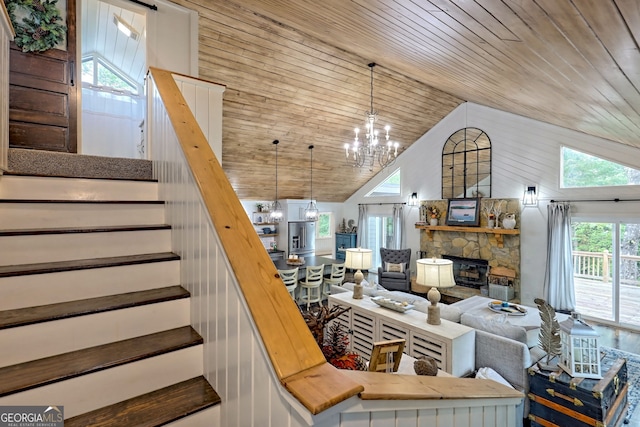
<point>296,71</point>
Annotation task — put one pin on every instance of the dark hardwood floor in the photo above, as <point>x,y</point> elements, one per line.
<point>622,339</point>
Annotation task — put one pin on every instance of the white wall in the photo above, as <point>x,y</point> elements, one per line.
<point>525,152</point>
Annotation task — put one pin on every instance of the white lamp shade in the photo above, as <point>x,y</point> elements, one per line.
<point>435,272</point>
<point>358,258</point>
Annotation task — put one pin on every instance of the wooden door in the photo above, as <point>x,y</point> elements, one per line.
<point>43,95</point>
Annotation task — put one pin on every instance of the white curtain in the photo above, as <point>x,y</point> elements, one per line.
<point>111,124</point>
<point>398,227</point>
<point>558,284</point>
<point>361,237</point>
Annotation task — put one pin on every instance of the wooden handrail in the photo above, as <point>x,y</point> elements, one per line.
<point>295,356</point>
<point>286,337</point>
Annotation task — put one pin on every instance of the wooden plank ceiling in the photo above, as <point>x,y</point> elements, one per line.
<point>296,70</point>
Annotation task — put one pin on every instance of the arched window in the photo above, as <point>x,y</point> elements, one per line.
<point>466,164</point>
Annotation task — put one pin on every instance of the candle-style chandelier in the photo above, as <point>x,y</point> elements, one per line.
<point>371,150</point>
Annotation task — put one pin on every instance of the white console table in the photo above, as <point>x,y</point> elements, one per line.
<point>451,344</point>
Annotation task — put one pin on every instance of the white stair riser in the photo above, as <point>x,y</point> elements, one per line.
<point>92,391</point>
<point>17,216</point>
<point>46,188</point>
<point>209,417</point>
<point>45,339</point>
<point>41,289</point>
<point>15,250</point>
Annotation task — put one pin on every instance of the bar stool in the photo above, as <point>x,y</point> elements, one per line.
<point>312,285</point>
<point>290,279</point>
<point>335,278</point>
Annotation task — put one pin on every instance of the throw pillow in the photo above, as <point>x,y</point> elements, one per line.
<point>490,374</point>
<point>369,291</point>
<point>533,339</point>
<point>506,329</point>
<point>395,268</point>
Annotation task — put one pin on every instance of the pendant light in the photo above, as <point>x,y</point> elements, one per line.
<point>275,213</point>
<point>311,212</point>
<point>373,148</point>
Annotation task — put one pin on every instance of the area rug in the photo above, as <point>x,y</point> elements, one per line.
<point>633,373</point>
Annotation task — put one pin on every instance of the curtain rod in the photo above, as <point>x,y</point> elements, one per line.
<point>595,200</point>
<point>389,203</point>
<point>150,6</point>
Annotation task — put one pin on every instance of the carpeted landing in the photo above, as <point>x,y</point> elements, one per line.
<point>50,163</point>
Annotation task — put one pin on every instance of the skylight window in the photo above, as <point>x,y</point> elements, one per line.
<point>388,187</point>
<point>98,72</point>
<point>585,170</point>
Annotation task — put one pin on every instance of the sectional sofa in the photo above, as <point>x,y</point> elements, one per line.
<point>506,344</point>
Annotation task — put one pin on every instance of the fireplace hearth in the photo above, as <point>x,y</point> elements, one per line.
<point>469,272</point>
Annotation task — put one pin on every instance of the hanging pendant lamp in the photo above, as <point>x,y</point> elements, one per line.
<point>373,148</point>
<point>311,212</point>
<point>275,213</point>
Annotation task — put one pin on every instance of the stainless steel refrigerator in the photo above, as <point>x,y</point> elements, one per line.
<point>302,238</point>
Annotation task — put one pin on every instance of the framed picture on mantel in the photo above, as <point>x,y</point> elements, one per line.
<point>464,212</point>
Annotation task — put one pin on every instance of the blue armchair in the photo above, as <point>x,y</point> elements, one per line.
<point>395,273</point>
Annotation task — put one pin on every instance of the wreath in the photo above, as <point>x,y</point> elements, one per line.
<point>37,23</point>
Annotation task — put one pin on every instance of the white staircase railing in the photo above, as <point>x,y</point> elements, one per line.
<point>6,36</point>
<point>259,354</point>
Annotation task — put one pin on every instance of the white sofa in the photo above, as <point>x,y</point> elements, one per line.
<point>508,345</point>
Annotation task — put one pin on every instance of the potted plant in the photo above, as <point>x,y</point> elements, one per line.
<point>433,213</point>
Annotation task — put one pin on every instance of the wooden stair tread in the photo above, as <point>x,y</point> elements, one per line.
<point>78,202</point>
<point>156,408</point>
<point>36,373</point>
<point>84,264</point>
<point>81,230</point>
<point>64,310</point>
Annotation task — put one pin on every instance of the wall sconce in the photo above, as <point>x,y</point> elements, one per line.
<point>530,197</point>
<point>413,200</point>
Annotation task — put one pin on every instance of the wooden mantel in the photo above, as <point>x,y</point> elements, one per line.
<point>498,232</point>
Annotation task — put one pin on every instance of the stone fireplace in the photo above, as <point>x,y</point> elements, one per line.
<point>469,272</point>
<point>476,243</point>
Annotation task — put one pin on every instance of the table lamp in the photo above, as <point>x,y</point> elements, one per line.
<point>359,259</point>
<point>437,273</point>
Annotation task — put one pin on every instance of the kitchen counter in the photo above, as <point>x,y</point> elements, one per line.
<point>276,254</point>
<point>281,264</point>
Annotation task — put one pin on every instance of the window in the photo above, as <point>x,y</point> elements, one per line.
<point>388,187</point>
<point>606,270</point>
<point>380,234</point>
<point>97,71</point>
<point>324,229</point>
<point>584,170</point>
<point>466,165</point>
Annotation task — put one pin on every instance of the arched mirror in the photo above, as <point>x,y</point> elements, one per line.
<point>466,164</point>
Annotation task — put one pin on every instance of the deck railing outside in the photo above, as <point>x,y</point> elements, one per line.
<point>598,266</point>
<point>596,296</point>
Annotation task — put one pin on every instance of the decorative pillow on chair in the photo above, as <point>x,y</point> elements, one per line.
<point>395,268</point>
